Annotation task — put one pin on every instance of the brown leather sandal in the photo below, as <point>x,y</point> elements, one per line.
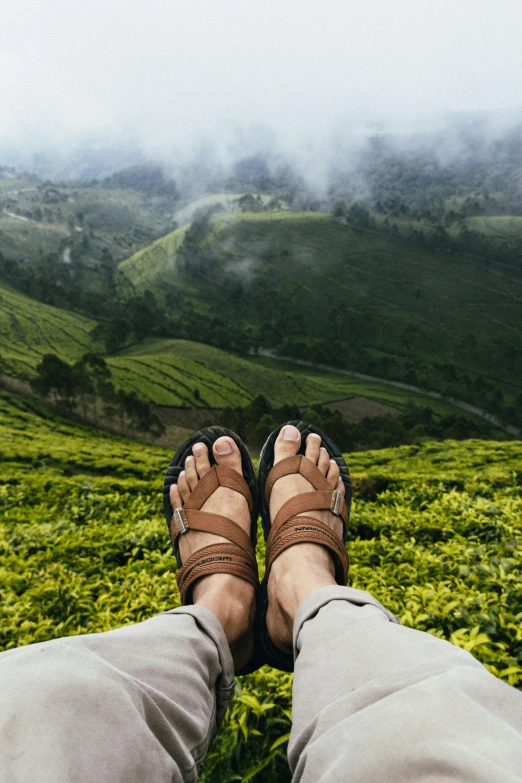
<point>288,528</point>
<point>237,556</point>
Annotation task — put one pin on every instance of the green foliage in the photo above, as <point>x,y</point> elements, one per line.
<point>345,294</point>
<point>436,535</point>
<point>39,220</point>
<point>175,373</point>
<point>257,420</point>
<point>90,380</point>
<point>30,329</point>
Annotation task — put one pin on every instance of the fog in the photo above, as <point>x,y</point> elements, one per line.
<point>167,78</point>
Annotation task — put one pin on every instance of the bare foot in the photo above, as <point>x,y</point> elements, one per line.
<point>229,598</point>
<point>301,568</point>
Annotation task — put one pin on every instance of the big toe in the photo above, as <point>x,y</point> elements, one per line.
<point>287,443</point>
<point>227,453</point>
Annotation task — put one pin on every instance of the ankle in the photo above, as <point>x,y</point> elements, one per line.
<point>231,600</point>
<point>296,573</point>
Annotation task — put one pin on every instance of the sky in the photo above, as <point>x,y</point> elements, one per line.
<point>169,73</point>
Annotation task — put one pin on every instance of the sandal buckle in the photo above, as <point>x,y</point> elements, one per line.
<point>181,520</point>
<point>337,497</point>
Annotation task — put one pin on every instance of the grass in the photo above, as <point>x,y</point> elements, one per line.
<point>339,387</point>
<point>435,534</point>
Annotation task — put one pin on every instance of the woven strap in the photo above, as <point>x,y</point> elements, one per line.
<point>289,527</point>
<point>236,555</point>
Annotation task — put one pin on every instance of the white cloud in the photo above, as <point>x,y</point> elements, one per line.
<point>168,71</point>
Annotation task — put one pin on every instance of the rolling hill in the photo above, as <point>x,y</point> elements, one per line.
<point>30,329</point>
<point>447,320</point>
<point>39,218</point>
<point>184,374</point>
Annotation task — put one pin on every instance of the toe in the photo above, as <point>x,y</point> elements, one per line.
<point>333,474</point>
<point>323,462</point>
<point>313,446</point>
<point>287,443</point>
<point>175,497</point>
<point>200,453</point>
<point>184,489</point>
<point>340,486</point>
<point>227,453</point>
<point>191,473</point>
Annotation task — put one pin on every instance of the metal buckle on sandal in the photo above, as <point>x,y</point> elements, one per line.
<point>337,497</point>
<point>181,520</point>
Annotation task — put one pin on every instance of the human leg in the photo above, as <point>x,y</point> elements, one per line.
<point>373,701</point>
<point>137,703</point>
<point>141,702</point>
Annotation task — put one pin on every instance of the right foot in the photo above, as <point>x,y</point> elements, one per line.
<point>305,567</point>
<point>228,597</point>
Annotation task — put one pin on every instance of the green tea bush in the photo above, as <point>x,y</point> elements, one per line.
<point>436,535</point>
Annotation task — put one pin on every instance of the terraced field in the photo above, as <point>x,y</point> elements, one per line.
<point>505,228</point>
<point>180,373</point>
<point>29,329</point>
<point>174,373</point>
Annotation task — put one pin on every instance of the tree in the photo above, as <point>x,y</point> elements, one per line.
<point>93,379</point>
<point>55,377</point>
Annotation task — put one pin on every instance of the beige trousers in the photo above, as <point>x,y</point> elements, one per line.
<point>372,702</point>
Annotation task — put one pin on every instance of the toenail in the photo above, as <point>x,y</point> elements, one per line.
<point>189,459</point>
<point>291,433</point>
<point>182,473</point>
<point>197,448</point>
<point>223,447</point>
<point>323,449</point>
<point>314,435</point>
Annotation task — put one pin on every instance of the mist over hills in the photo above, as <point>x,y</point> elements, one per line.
<point>402,259</point>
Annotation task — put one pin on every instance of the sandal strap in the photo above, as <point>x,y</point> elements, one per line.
<point>218,558</point>
<point>236,555</point>
<point>186,519</point>
<point>301,530</point>
<point>289,527</point>
<point>325,500</point>
<point>218,476</point>
<point>296,464</point>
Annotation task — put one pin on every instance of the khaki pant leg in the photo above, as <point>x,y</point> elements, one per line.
<point>375,702</point>
<point>139,704</point>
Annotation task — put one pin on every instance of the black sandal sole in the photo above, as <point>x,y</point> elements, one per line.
<point>273,656</point>
<point>208,436</point>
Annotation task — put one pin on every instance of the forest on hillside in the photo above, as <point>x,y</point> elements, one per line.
<point>432,223</point>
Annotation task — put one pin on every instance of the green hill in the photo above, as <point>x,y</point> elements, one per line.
<point>29,329</point>
<point>39,218</point>
<point>441,321</point>
<point>504,228</point>
<point>176,373</point>
<point>435,535</point>
<point>182,373</point>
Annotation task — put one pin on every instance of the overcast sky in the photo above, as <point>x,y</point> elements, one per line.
<point>169,71</point>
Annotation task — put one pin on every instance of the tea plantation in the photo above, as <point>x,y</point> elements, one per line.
<point>436,535</point>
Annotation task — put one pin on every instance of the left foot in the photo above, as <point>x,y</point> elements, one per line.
<point>229,598</point>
